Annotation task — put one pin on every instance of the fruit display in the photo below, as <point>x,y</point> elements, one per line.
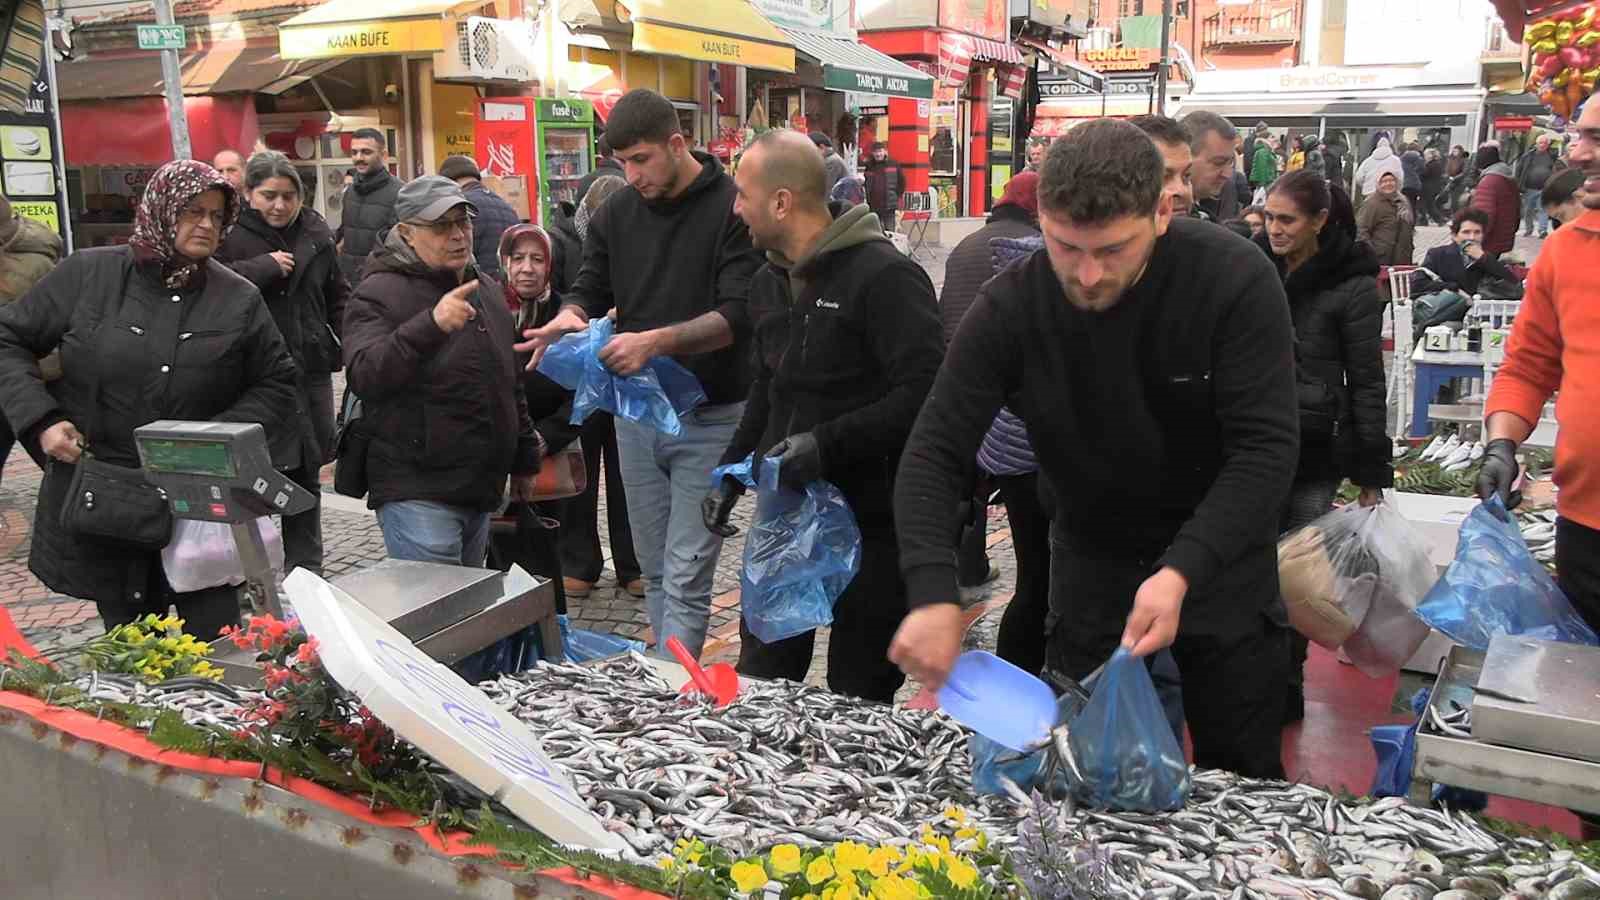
<point>1566,58</point>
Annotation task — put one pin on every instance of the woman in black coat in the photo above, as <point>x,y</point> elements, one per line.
<point>287,251</point>
<point>153,330</point>
<point>1331,281</point>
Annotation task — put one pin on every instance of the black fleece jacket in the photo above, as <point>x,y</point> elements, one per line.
<point>665,262</point>
<point>1167,424</point>
<point>846,346</point>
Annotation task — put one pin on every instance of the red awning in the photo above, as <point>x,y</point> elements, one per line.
<point>1515,14</point>
<point>133,131</point>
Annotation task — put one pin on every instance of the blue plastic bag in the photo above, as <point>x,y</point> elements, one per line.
<point>1495,586</point>
<point>584,645</point>
<point>802,550</point>
<point>991,760</point>
<point>656,395</point>
<point>1125,751</point>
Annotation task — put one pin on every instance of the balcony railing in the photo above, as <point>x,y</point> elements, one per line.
<point>1254,24</point>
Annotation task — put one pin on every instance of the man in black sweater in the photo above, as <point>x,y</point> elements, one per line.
<point>669,255</point>
<point>841,409</point>
<point>1151,359</point>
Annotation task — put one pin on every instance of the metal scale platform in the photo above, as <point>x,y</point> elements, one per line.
<point>222,472</point>
<point>1535,725</point>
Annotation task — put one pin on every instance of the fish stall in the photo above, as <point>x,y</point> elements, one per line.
<point>359,765</point>
<point>611,756</point>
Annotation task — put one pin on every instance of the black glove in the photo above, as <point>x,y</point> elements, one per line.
<point>718,505</point>
<point>1499,472</point>
<point>799,460</point>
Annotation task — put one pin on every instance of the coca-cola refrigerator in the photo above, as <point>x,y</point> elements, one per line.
<point>538,148</point>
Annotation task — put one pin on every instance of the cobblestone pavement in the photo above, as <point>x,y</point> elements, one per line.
<point>353,541</point>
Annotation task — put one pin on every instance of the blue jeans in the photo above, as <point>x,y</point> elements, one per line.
<point>427,531</point>
<point>665,477</point>
<point>1531,208</point>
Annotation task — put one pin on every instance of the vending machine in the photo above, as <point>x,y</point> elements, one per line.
<point>538,148</point>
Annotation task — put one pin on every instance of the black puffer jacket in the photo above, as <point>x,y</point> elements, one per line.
<point>133,352</point>
<point>446,411</point>
<point>307,305</point>
<point>367,216</point>
<point>1338,318</point>
<point>971,263</point>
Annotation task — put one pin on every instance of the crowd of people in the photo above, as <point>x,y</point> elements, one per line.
<point>1158,376</point>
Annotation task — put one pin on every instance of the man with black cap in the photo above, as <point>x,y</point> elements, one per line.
<point>428,348</point>
<point>494,214</point>
<point>832,162</point>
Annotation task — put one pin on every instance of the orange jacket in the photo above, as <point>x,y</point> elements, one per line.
<point>1555,344</point>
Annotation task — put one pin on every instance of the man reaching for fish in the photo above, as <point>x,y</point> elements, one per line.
<point>1135,342</point>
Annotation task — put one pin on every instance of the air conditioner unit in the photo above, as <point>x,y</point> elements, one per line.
<point>487,49</point>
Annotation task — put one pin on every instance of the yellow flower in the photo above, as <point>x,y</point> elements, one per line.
<point>965,833</point>
<point>878,862</point>
<point>667,864</point>
<point>819,871</point>
<point>749,876</point>
<point>956,814</point>
<point>960,874</point>
<point>893,888</point>
<point>850,856</point>
<point>942,842</point>
<point>785,860</point>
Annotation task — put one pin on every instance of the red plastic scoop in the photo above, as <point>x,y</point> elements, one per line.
<point>720,682</point>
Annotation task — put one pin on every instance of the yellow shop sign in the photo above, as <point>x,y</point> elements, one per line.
<point>361,38</point>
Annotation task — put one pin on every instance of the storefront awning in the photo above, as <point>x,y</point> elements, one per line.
<point>219,69</point>
<point>717,31</point>
<point>1083,76</point>
<point>1421,106</point>
<point>849,65</point>
<point>133,131</point>
<point>345,28</point>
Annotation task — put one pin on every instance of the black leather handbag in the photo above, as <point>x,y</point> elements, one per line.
<point>116,505</point>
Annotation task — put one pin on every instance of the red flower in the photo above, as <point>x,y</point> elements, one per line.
<point>307,654</point>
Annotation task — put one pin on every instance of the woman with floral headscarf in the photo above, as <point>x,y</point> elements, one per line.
<point>153,330</point>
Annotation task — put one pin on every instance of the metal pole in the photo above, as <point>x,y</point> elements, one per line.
<point>1166,57</point>
<point>172,78</point>
<point>62,211</point>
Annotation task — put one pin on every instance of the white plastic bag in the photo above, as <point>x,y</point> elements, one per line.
<point>1353,579</point>
<point>202,554</point>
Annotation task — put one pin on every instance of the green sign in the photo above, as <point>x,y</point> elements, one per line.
<point>841,79</point>
<point>162,37</point>
<point>575,111</point>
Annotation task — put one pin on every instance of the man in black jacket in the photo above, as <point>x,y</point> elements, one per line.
<point>839,411</point>
<point>1135,342</point>
<point>1462,264</point>
<point>494,214</point>
<point>1212,140</point>
<point>605,163</point>
<point>368,210</point>
<point>669,255</point>
<point>428,347</point>
<point>885,183</point>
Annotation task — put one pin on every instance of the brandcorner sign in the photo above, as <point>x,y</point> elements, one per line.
<point>162,37</point>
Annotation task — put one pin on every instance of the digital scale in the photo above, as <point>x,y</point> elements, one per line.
<point>222,472</point>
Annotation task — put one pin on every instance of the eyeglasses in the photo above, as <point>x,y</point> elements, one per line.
<point>446,227</point>
<point>194,215</point>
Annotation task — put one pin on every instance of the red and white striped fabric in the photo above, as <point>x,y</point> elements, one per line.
<point>1012,80</point>
<point>955,58</point>
<point>995,51</point>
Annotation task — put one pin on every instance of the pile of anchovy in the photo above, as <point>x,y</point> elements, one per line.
<point>786,762</point>
<point>1247,838</point>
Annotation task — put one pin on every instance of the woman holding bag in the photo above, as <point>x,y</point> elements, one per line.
<point>153,330</point>
<point>287,252</point>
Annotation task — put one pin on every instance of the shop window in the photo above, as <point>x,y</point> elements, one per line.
<point>1180,9</point>
<point>1130,8</point>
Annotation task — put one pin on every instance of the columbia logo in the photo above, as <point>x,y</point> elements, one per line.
<point>827,304</point>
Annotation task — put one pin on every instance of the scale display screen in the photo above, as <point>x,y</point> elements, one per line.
<point>188,457</point>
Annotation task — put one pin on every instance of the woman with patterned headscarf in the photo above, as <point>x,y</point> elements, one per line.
<point>153,330</point>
